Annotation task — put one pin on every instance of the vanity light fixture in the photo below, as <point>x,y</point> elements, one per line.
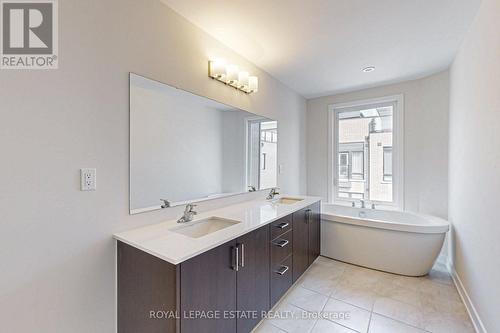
<point>369,69</point>
<point>218,69</point>
<point>231,75</point>
<point>253,83</point>
<point>243,80</point>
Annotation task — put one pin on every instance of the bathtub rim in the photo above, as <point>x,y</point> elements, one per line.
<point>436,225</point>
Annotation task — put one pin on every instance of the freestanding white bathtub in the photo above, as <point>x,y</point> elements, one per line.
<point>393,241</point>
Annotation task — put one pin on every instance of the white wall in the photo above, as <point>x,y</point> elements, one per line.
<point>425,137</point>
<point>234,151</point>
<point>57,255</point>
<point>474,169</point>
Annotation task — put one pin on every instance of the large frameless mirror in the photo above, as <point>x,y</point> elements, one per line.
<point>188,148</point>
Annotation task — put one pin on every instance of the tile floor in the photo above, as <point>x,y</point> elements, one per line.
<point>336,297</point>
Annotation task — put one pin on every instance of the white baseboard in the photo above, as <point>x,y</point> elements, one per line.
<point>469,306</point>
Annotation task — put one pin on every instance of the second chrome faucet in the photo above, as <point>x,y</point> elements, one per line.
<point>274,192</point>
<point>189,214</point>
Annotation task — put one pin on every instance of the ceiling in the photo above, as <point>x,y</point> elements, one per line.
<point>319,47</point>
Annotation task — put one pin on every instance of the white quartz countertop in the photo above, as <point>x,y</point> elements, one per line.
<point>160,241</point>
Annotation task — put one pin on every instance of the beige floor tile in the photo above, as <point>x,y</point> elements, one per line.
<point>353,292</point>
<point>406,313</point>
<point>267,327</point>
<point>433,287</point>
<point>381,324</point>
<point>326,326</point>
<point>398,293</point>
<point>321,282</point>
<point>450,304</point>
<point>399,303</point>
<point>292,319</point>
<point>331,270</point>
<point>347,315</point>
<point>408,282</point>
<point>445,323</point>
<point>361,276</point>
<point>330,262</point>
<point>306,299</point>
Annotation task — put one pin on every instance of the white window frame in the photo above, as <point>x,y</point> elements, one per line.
<point>397,150</point>
<point>246,150</point>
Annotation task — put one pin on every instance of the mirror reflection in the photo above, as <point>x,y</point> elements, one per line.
<point>188,148</point>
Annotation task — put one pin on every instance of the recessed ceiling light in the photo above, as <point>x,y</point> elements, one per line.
<point>369,69</point>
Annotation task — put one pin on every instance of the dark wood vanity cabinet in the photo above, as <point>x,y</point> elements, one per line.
<point>252,294</point>
<point>231,281</point>
<point>245,275</point>
<point>314,232</point>
<point>306,238</point>
<point>208,284</point>
<point>300,242</point>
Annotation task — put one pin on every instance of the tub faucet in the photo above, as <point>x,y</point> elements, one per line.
<point>189,214</point>
<point>362,204</point>
<point>165,203</point>
<point>274,191</point>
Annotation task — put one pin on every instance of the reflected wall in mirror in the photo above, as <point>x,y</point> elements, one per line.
<point>187,148</point>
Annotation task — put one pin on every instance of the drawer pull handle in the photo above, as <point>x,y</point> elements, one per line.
<point>236,258</point>
<point>283,225</point>
<point>242,255</point>
<point>282,270</point>
<point>308,216</point>
<point>282,243</point>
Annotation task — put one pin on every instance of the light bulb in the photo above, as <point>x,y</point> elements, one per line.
<point>217,69</point>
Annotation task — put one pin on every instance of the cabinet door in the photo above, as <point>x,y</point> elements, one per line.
<point>253,278</point>
<point>300,242</point>
<point>314,232</point>
<point>208,284</point>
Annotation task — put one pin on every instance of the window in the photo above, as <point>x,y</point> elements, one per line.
<point>357,171</point>
<point>388,164</point>
<point>262,153</point>
<point>344,165</point>
<point>364,148</point>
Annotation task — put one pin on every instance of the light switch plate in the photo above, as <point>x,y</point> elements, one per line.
<point>88,179</point>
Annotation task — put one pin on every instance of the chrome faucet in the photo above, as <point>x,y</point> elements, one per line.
<point>362,204</point>
<point>189,214</point>
<point>274,191</point>
<point>165,203</point>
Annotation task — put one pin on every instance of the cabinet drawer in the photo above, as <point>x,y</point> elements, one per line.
<point>281,279</point>
<point>281,247</point>
<point>279,227</point>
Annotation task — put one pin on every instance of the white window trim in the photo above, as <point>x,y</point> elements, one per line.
<point>247,121</point>
<point>398,150</point>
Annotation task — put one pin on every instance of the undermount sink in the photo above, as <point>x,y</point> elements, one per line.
<point>200,228</point>
<point>287,201</point>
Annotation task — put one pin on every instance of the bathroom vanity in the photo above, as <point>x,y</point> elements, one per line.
<point>221,271</point>
<point>218,273</point>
